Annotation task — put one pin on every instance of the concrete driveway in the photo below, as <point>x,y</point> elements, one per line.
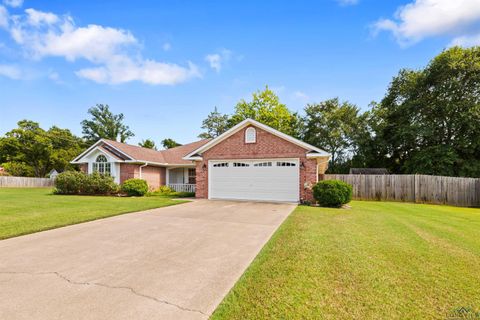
<point>169,263</point>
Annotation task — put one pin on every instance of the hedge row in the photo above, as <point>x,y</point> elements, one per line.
<point>74,182</point>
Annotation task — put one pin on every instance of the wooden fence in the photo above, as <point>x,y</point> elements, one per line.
<point>24,182</point>
<point>454,191</point>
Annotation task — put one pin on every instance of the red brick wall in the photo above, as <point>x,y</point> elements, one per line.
<point>267,146</point>
<point>155,176</point>
<point>129,171</point>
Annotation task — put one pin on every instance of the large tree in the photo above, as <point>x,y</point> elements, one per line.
<point>170,143</point>
<point>331,125</point>
<point>30,150</point>
<point>148,143</point>
<point>214,125</point>
<point>429,120</point>
<point>266,108</point>
<point>105,124</point>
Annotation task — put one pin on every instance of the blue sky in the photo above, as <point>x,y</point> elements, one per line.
<point>166,64</point>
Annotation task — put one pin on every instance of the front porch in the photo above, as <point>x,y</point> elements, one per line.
<point>181,179</point>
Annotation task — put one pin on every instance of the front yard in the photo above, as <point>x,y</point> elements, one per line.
<point>27,210</point>
<point>378,260</point>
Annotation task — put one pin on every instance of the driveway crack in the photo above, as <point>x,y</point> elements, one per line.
<point>132,290</point>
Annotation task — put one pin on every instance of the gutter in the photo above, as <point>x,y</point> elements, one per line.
<point>144,165</point>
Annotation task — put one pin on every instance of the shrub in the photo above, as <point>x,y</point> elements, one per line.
<point>70,182</point>
<point>74,182</point>
<point>165,189</point>
<point>135,187</point>
<point>97,183</point>
<point>332,193</point>
<point>183,194</point>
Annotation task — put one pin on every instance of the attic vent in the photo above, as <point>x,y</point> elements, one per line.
<point>250,135</point>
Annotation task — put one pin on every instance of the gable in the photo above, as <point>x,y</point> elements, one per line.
<point>313,152</point>
<point>266,145</point>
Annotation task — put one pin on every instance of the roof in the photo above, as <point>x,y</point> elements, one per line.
<point>124,151</point>
<point>312,150</point>
<point>368,171</point>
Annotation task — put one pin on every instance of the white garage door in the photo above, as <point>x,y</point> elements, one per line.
<point>264,180</point>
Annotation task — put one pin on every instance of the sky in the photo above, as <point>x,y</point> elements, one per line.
<point>166,64</point>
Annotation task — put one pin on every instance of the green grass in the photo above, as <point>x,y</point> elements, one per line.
<point>378,260</point>
<point>28,210</point>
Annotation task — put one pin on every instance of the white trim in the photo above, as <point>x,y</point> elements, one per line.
<point>244,123</point>
<point>316,155</point>
<point>95,146</point>
<point>254,138</point>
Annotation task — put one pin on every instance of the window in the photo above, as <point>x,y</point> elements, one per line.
<point>250,135</point>
<point>286,164</point>
<point>222,164</point>
<point>191,176</point>
<point>101,165</point>
<point>240,164</point>
<point>263,164</point>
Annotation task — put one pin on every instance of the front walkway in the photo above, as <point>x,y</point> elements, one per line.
<point>169,263</point>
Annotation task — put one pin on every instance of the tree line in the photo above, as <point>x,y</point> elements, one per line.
<point>428,122</point>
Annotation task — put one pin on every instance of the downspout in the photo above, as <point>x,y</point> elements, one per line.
<point>144,165</point>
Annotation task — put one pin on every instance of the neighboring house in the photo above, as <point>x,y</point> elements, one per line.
<point>368,171</point>
<point>251,161</point>
<point>53,174</point>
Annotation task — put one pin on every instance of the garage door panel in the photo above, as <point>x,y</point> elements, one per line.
<point>267,182</point>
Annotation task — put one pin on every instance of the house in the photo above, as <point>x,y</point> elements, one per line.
<point>250,161</point>
<point>53,174</point>
<point>368,171</point>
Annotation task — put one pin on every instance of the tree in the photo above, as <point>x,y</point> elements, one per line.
<point>170,143</point>
<point>429,118</point>
<point>215,124</point>
<point>148,143</point>
<point>266,108</point>
<point>30,150</point>
<point>105,124</point>
<point>331,124</point>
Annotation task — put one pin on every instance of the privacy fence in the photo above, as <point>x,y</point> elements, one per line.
<point>454,191</point>
<point>24,182</point>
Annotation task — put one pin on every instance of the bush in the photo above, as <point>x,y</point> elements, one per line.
<point>165,189</point>
<point>74,182</point>
<point>332,193</point>
<point>135,187</point>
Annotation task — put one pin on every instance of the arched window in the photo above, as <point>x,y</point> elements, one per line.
<point>101,158</point>
<point>101,165</point>
<point>250,135</point>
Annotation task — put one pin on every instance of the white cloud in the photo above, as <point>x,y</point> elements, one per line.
<point>347,2</point>
<point>123,69</point>
<point>3,17</point>
<point>466,41</point>
<point>13,3</point>
<point>217,60</point>
<point>10,71</point>
<point>426,18</point>
<point>37,18</point>
<point>300,95</point>
<point>113,52</point>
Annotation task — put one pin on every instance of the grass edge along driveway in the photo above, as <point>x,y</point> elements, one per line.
<point>378,260</point>
<point>29,210</point>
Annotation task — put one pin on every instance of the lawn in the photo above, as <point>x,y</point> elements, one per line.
<point>377,260</point>
<point>27,210</point>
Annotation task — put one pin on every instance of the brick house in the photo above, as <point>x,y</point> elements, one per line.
<point>251,161</point>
